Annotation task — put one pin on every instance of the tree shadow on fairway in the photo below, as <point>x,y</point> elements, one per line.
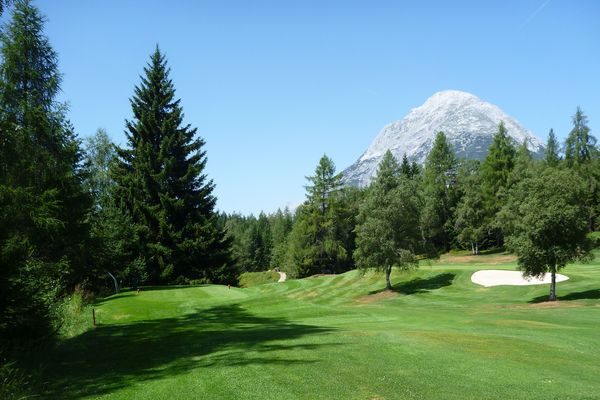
<point>111,357</point>
<point>587,294</point>
<point>422,285</point>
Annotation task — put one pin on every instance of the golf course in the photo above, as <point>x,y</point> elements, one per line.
<point>435,335</point>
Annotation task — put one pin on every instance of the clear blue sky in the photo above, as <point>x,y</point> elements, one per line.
<point>272,85</point>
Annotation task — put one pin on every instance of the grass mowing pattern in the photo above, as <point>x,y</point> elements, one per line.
<point>436,336</point>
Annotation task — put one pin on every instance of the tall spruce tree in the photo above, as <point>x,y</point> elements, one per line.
<point>495,178</point>
<point>43,222</point>
<point>318,241</point>
<point>581,155</point>
<point>470,219</point>
<point>281,225</point>
<point>406,167</point>
<point>161,181</point>
<point>552,158</point>
<point>524,165</point>
<point>580,144</point>
<point>439,193</point>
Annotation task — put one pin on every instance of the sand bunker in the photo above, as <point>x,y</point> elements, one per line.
<point>495,277</point>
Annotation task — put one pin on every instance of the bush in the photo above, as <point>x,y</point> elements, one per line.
<point>180,280</point>
<point>73,314</point>
<point>201,281</point>
<point>594,237</point>
<point>248,279</point>
<point>13,381</point>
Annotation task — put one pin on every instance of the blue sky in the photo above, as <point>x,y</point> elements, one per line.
<point>273,85</point>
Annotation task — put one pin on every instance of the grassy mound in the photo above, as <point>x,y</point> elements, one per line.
<point>249,279</point>
<point>436,335</point>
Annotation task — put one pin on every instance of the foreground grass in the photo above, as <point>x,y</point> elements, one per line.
<point>436,335</point>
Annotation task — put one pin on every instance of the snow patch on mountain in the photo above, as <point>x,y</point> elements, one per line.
<point>468,122</point>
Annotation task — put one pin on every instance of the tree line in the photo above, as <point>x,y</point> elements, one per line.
<point>410,212</point>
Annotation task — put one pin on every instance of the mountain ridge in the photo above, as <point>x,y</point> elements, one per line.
<point>468,122</point>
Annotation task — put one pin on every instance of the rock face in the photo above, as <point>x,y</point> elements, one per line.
<point>468,122</point>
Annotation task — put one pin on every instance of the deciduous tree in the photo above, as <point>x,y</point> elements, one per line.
<point>387,232</point>
<point>545,222</point>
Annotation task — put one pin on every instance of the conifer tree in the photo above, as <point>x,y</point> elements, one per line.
<point>439,193</point>
<point>161,181</point>
<point>552,158</point>
<point>387,232</point>
<point>319,237</point>
<point>406,167</point>
<point>581,155</point>
<point>43,224</point>
<point>281,226</point>
<point>470,217</point>
<point>579,145</point>
<point>523,165</point>
<point>415,171</point>
<point>495,178</point>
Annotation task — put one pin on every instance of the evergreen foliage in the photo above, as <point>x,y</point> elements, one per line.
<point>523,165</point>
<point>43,219</point>
<point>470,216</point>
<point>112,229</point>
<point>388,233</point>
<point>439,193</point>
<point>319,241</point>
<point>581,155</point>
<point>160,181</point>
<point>281,226</point>
<point>496,171</point>
<point>552,157</point>
<point>580,145</point>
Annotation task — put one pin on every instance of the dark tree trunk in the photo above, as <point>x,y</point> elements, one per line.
<point>553,285</point>
<point>388,284</point>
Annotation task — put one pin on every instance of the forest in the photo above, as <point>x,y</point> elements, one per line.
<point>84,215</point>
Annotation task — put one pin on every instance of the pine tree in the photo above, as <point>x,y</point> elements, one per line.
<point>281,226</point>
<point>406,167</point>
<point>161,181</point>
<point>387,232</point>
<point>43,223</point>
<point>580,145</point>
<point>581,155</point>
<point>524,165</point>
<point>552,158</point>
<point>319,237</point>
<point>495,178</point>
<point>470,215</point>
<point>439,193</point>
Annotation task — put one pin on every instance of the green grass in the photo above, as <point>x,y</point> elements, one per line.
<point>249,279</point>
<point>436,336</point>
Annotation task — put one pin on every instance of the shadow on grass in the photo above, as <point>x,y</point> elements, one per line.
<point>112,357</point>
<point>587,294</point>
<point>129,292</point>
<point>422,285</point>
